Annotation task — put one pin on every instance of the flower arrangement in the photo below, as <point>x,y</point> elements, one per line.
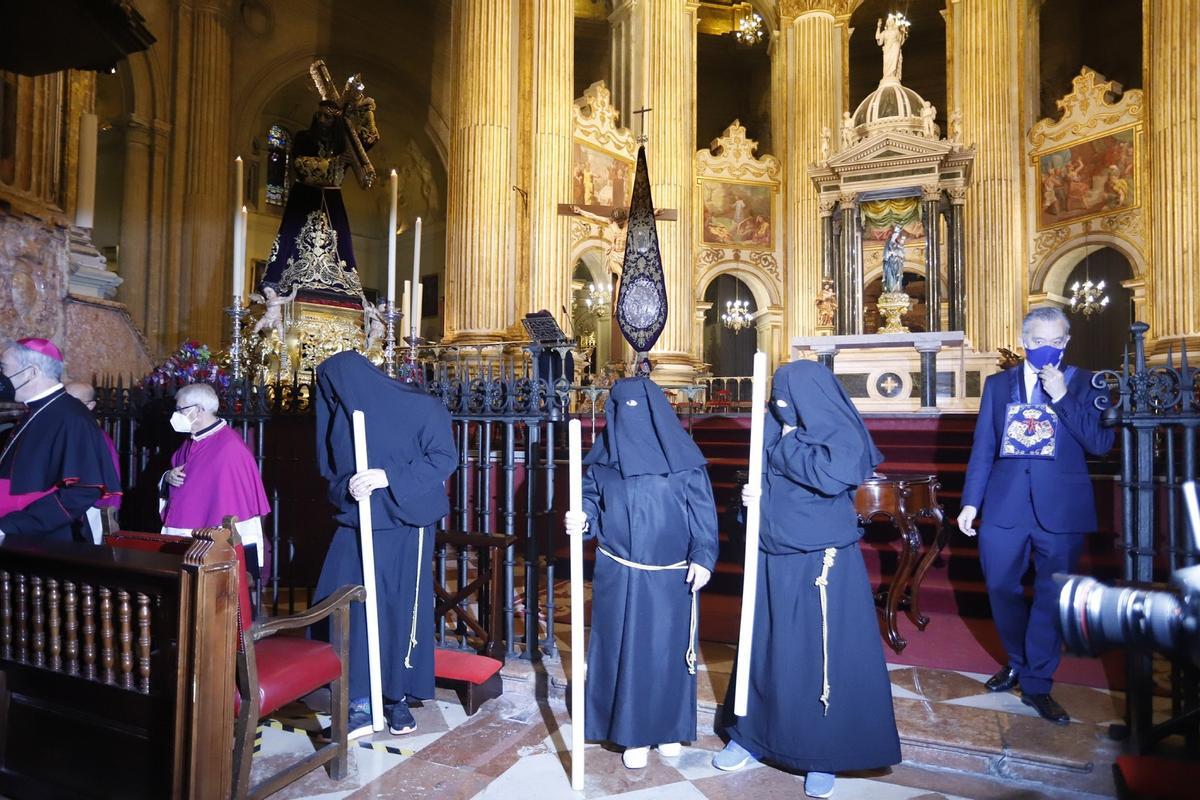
<point>191,363</point>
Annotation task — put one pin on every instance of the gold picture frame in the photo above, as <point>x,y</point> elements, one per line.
<point>1089,178</point>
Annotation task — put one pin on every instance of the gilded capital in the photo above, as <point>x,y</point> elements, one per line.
<point>825,206</point>
<point>931,193</point>
<point>798,8</point>
<point>848,200</point>
<point>958,195</point>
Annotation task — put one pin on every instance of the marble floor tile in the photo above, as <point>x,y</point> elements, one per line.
<point>760,784</point>
<point>672,791</point>
<point>1086,704</point>
<point>976,729</point>
<point>1007,702</point>
<point>605,775</point>
<point>544,771</point>
<point>695,764</point>
<point>936,684</point>
<point>417,778</point>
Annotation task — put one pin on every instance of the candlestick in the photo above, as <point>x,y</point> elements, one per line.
<point>394,187</point>
<point>389,347</point>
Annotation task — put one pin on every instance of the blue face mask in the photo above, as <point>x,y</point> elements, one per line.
<point>1046,355</point>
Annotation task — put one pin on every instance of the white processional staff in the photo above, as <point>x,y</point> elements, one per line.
<point>578,663</point>
<point>367,538</point>
<point>758,408</point>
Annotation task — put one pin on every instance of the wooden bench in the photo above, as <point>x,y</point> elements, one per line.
<point>476,678</point>
<point>111,662</point>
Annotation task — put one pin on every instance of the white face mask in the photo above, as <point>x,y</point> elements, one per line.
<point>181,423</point>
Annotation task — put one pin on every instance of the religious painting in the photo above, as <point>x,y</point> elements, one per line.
<point>736,214</point>
<point>599,178</point>
<point>879,217</point>
<point>1087,179</point>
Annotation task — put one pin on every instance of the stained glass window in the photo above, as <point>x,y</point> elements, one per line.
<point>279,150</point>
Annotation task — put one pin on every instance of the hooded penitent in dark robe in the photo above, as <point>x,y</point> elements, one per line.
<point>820,698</point>
<point>649,504</point>
<point>53,468</point>
<point>409,437</point>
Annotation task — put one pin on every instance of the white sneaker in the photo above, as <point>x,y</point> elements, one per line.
<point>635,757</point>
<point>670,749</point>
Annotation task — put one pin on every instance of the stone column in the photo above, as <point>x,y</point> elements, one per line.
<point>828,241</point>
<point>809,55</point>
<point>955,280</point>
<point>850,288</point>
<point>670,90</point>
<point>987,57</point>
<point>135,264</point>
<point>931,197</point>
<point>480,258</point>
<point>1174,86</point>
<point>553,67</point>
<point>204,279</point>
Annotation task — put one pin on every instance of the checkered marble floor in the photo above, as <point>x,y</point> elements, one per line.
<point>959,741</point>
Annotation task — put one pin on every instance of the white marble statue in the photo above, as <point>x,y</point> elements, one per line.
<point>955,126</point>
<point>374,322</point>
<point>275,303</point>
<point>849,135</point>
<point>825,136</point>
<point>928,115</point>
<point>890,37</point>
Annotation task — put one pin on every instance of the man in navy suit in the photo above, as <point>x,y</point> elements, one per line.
<point>1028,473</point>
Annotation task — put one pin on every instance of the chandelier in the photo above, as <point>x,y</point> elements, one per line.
<point>596,299</point>
<point>749,29</point>
<point>902,21</point>
<point>1088,298</point>
<point>737,316</point>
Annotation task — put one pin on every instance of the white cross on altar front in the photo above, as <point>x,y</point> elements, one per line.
<point>890,385</point>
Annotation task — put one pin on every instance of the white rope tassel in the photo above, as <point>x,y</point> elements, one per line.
<point>690,655</point>
<point>412,633</point>
<point>822,582</point>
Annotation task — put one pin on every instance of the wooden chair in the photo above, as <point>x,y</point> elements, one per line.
<point>274,670</point>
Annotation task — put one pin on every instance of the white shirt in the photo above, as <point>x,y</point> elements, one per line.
<point>46,393</point>
<point>1031,379</point>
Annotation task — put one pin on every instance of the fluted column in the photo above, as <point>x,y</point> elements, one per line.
<point>553,67</point>
<point>931,198</point>
<point>809,55</point>
<point>850,275</point>
<point>480,260</point>
<point>1174,87</point>
<point>134,220</point>
<point>955,280</point>
<point>204,278</point>
<point>987,50</point>
<point>670,90</point>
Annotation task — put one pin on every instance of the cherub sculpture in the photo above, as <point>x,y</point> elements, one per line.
<point>374,322</point>
<point>275,304</point>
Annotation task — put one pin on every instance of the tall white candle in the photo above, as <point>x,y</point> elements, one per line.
<point>414,313</point>
<point>578,657</point>
<point>406,304</point>
<point>85,190</point>
<point>239,254</point>
<point>239,186</point>
<point>394,187</point>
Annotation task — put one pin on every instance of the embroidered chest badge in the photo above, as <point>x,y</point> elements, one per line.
<point>1030,431</point>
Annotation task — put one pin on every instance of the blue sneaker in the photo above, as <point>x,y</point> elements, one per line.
<point>400,719</point>
<point>818,784</point>
<point>358,720</point>
<point>733,757</point>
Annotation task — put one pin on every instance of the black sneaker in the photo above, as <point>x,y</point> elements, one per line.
<point>400,719</point>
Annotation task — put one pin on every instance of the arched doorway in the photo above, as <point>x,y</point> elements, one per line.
<point>728,351</point>
<point>591,311</point>
<point>1098,341</point>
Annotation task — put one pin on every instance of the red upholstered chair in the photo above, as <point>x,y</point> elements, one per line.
<point>476,678</point>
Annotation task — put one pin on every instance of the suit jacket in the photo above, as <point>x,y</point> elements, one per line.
<point>1059,489</point>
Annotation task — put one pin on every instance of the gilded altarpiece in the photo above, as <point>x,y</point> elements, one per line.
<point>1086,187</point>
<point>738,211</point>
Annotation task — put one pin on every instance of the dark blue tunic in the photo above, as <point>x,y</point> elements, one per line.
<point>809,479</point>
<point>648,502</point>
<point>408,436</point>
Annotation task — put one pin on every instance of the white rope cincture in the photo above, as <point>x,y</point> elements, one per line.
<point>822,582</point>
<point>690,655</point>
<point>412,632</point>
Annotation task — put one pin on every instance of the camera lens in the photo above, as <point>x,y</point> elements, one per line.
<point>1095,618</point>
